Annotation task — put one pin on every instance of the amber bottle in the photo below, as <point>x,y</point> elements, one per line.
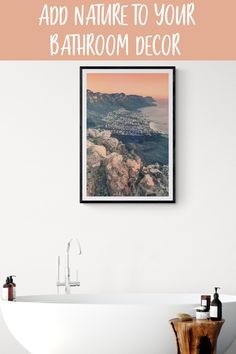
<point>7,293</point>
<point>13,287</point>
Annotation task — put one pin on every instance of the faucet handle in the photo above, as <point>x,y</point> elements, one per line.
<point>58,273</point>
<point>58,268</point>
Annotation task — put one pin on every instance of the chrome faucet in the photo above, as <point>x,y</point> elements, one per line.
<point>68,283</point>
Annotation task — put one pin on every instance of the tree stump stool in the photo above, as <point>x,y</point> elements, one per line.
<point>196,336</point>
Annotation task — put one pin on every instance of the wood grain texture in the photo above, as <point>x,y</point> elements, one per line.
<point>196,336</point>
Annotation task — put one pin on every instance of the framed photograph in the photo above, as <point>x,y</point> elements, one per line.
<point>127,134</point>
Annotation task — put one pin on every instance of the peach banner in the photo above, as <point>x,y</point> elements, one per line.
<point>212,37</point>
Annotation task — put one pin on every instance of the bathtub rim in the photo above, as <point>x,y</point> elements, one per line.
<point>155,299</point>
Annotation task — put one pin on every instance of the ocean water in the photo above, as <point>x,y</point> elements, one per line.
<point>158,116</point>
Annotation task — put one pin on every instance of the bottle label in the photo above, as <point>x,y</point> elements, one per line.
<point>214,311</point>
<point>5,294</point>
<point>14,294</point>
<point>204,302</point>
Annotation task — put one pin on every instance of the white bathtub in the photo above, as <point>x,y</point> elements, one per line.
<point>106,324</point>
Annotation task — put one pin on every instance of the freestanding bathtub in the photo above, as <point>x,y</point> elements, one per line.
<point>106,324</point>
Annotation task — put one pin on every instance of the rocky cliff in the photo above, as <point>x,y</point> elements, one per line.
<point>113,101</point>
<point>113,171</point>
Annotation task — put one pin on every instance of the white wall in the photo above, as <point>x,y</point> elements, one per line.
<point>185,247</point>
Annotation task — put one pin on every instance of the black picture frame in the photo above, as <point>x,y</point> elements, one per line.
<point>82,142</point>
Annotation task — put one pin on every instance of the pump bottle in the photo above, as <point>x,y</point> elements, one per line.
<point>9,289</point>
<point>13,287</point>
<point>216,307</point>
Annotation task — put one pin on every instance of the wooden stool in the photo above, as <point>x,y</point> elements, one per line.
<point>196,336</point>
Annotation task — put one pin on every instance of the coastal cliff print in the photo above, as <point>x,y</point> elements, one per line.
<point>127,134</point>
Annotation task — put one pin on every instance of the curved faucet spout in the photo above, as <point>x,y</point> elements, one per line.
<point>68,282</point>
<point>77,243</point>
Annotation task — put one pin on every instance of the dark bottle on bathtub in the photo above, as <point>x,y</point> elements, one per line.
<point>9,289</point>
<point>13,288</point>
<point>7,292</point>
<point>216,307</point>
